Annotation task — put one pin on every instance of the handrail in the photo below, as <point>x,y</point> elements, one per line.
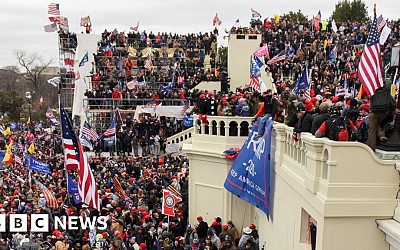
<point>181,136</point>
<point>131,103</point>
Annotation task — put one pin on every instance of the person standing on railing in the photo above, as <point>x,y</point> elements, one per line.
<point>267,109</point>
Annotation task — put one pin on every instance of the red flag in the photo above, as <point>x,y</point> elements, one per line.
<point>54,19</point>
<point>169,201</point>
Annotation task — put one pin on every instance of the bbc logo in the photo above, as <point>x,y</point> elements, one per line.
<point>39,223</point>
<point>19,223</point>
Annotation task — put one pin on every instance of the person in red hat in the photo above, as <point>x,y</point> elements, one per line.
<point>224,108</point>
<point>202,228</point>
<point>362,123</point>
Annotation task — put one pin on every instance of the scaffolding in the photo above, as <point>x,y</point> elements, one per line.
<point>67,44</point>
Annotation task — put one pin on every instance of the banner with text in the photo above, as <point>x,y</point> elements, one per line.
<point>249,177</point>
<point>38,166</point>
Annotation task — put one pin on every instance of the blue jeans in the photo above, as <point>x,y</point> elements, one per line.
<point>261,126</point>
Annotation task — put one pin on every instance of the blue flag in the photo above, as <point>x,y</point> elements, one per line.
<point>73,189</point>
<point>302,82</point>
<point>2,154</point>
<point>109,141</point>
<point>254,68</point>
<point>84,59</point>
<point>258,61</point>
<point>38,166</point>
<point>249,177</point>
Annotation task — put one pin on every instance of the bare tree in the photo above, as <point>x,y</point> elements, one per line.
<point>34,66</point>
<point>9,78</point>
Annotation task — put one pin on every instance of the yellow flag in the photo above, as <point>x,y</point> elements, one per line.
<point>7,157</point>
<point>8,148</point>
<point>7,131</point>
<point>325,43</point>
<point>359,95</point>
<point>393,90</point>
<point>31,148</point>
<point>276,18</point>
<point>29,120</point>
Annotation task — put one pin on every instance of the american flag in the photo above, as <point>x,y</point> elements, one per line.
<point>316,20</point>
<point>18,160</point>
<point>147,64</point>
<point>51,201</point>
<point>216,20</point>
<point>88,131</point>
<point>280,57</point>
<point>185,107</point>
<point>254,83</point>
<point>54,9</point>
<point>262,51</point>
<point>381,23</point>
<point>370,66</point>
<point>135,28</point>
<point>50,27</point>
<point>70,142</point>
<point>74,153</point>
<point>49,113</point>
<point>118,188</point>
<point>112,129</point>
<point>255,14</point>
<point>174,192</point>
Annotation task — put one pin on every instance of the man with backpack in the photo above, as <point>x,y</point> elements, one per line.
<point>337,127</point>
<point>381,105</point>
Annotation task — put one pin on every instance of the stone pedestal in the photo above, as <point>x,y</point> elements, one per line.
<point>388,155</point>
<point>391,227</point>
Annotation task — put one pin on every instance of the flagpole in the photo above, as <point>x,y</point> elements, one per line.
<point>61,128</point>
<point>115,134</point>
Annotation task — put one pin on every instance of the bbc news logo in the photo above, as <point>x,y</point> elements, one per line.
<point>39,223</point>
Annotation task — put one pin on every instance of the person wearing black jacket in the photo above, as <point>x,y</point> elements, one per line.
<point>268,109</point>
<point>305,120</point>
<point>202,229</point>
<point>352,112</point>
<point>320,118</point>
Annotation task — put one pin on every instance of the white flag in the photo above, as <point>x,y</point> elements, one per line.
<point>334,27</point>
<point>384,34</point>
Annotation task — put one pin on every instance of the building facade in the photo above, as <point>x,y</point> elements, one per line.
<point>341,187</point>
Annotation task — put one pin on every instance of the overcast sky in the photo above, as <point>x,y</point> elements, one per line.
<point>22,21</point>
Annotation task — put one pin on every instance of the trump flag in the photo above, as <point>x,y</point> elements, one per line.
<point>169,202</point>
<point>249,177</point>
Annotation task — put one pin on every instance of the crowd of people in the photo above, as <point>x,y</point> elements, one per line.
<point>138,222</point>
<point>133,222</point>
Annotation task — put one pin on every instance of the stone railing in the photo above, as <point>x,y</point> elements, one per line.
<point>226,126</point>
<point>336,183</point>
<point>181,136</point>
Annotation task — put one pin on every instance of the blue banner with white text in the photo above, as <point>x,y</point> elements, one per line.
<point>249,177</point>
<point>73,189</point>
<point>38,166</point>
